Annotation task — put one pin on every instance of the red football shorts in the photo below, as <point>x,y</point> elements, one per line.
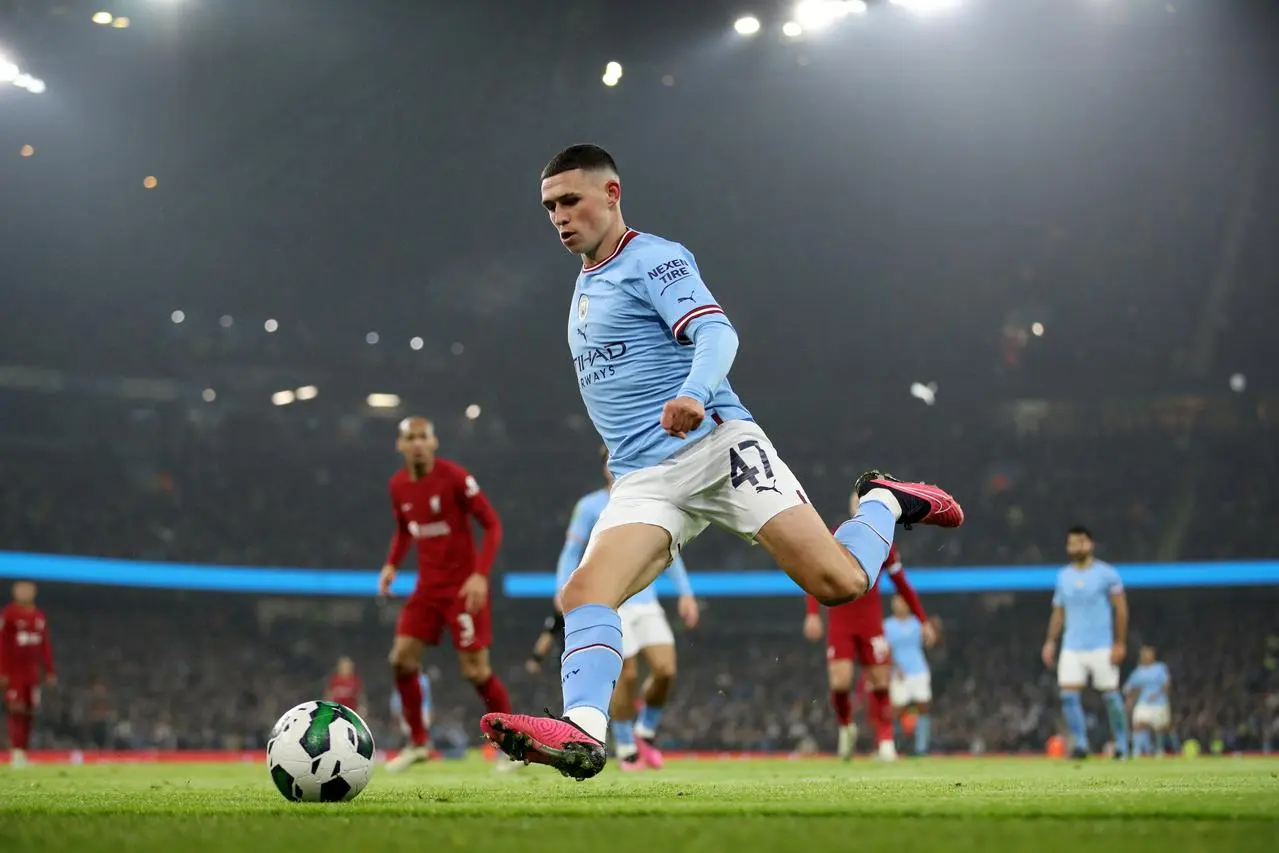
<point>864,643</point>
<point>425,619</point>
<point>22,694</point>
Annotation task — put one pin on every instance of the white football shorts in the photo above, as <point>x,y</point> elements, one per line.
<point>906,690</point>
<point>643,625</point>
<point>732,478</point>
<point>1077,668</point>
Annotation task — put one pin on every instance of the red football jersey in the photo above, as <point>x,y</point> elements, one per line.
<point>435,511</point>
<point>24,644</point>
<point>869,609</point>
<point>346,689</point>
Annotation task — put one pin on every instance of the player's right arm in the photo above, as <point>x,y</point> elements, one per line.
<point>401,541</point>
<point>1055,623</point>
<point>4,651</point>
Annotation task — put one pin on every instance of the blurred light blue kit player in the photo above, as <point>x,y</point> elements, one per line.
<point>1090,605</point>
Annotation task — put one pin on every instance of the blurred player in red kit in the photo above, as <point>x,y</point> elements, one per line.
<point>433,501</point>
<point>855,631</point>
<point>345,686</point>
<point>24,650</point>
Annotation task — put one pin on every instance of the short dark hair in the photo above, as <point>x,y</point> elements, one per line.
<point>591,158</point>
<point>1081,530</point>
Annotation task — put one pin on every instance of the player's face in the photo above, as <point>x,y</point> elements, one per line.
<point>900,609</point>
<point>582,207</point>
<point>1147,655</point>
<point>417,442</point>
<point>24,592</point>
<point>345,666</point>
<point>1078,546</point>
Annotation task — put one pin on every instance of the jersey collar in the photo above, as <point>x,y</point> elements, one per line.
<point>630,235</point>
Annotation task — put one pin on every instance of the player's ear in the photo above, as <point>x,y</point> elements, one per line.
<point>613,188</point>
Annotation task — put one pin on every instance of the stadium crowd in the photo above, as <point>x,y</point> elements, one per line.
<point>134,673</point>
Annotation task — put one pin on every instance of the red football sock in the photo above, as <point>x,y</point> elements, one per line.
<point>843,705</point>
<point>881,715</point>
<point>19,731</point>
<point>410,690</point>
<point>493,692</point>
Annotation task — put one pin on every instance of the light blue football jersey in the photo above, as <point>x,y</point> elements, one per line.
<point>1152,681</point>
<point>906,640</point>
<point>1085,594</point>
<point>632,321</point>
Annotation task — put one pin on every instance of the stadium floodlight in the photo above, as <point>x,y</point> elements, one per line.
<point>1037,329</point>
<point>416,343</point>
<point>103,19</point>
<point>271,325</point>
<point>472,412</point>
<point>8,71</point>
<point>1238,383</point>
<point>372,338</point>
<point>747,25</point>
<point>36,86</point>
<point>283,398</point>
<point>927,7</point>
<point>178,316</point>
<point>815,14</point>
<point>612,73</point>
<point>926,394</point>
<point>120,23</point>
<point>610,81</point>
<point>226,321</point>
<point>383,401</point>
<point>209,395</point>
<point>307,392</point>
<point>790,29</point>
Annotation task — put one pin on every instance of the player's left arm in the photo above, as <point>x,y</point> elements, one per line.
<point>673,285</point>
<point>1119,601</point>
<point>46,650</point>
<point>478,506</point>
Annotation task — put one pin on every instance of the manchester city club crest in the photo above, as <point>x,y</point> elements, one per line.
<point>583,305</point>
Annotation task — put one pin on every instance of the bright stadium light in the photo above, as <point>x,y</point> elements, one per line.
<point>1238,383</point>
<point>613,69</point>
<point>1037,329</point>
<point>815,14</point>
<point>790,29</point>
<point>271,325</point>
<point>926,394</point>
<point>209,395</point>
<point>307,392</point>
<point>746,26</point>
<point>27,150</point>
<point>226,321</point>
<point>121,23</point>
<point>36,86</point>
<point>927,7</point>
<point>283,398</point>
<point>472,412</point>
<point>372,338</point>
<point>178,316</point>
<point>103,18</point>
<point>416,343</point>
<point>8,71</point>
<point>383,401</point>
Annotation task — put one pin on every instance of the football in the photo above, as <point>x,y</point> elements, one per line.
<point>320,752</point>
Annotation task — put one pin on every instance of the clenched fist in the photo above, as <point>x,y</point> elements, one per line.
<point>682,415</point>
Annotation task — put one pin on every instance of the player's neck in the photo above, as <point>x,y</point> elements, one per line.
<point>417,472</point>
<point>1085,563</point>
<point>608,245</point>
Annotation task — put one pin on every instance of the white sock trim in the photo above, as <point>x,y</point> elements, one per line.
<point>885,497</point>
<point>593,721</point>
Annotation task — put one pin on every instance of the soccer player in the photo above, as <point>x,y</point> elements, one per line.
<point>1090,604</point>
<point>1149,684</point>
<point>25,650</point>
<point>912,682</point>
<point>552,630</point>
<point>652,349</point>
<point>645,632</point>
<point>345,686</point>
<point>855,632</point>
<point>433,501</point>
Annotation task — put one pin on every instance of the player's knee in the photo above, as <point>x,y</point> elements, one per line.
<point>840,583</point>
<point>663,671</point>
<point>630,673</point>
<point>476,672</point>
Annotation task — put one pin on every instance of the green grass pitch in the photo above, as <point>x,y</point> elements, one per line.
<point>813,806</point>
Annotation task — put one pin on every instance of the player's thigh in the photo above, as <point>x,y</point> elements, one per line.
<point>475,664</point>
<point>619,561</point>
<point>899,693</point>
<point>797,539</point>
<point>921,691</point>
<point>19,698</point>
<point>420,624</point>
<point>1104,674</point>
<point>879,676</point>
<point>839,673</point>
<point>873,652</point>
<point>1072,673</point>
<point>406,651</point>
<point>660,655</point>
<point>472,633</point>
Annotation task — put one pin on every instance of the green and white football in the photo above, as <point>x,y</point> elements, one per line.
<point>320,752</point>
